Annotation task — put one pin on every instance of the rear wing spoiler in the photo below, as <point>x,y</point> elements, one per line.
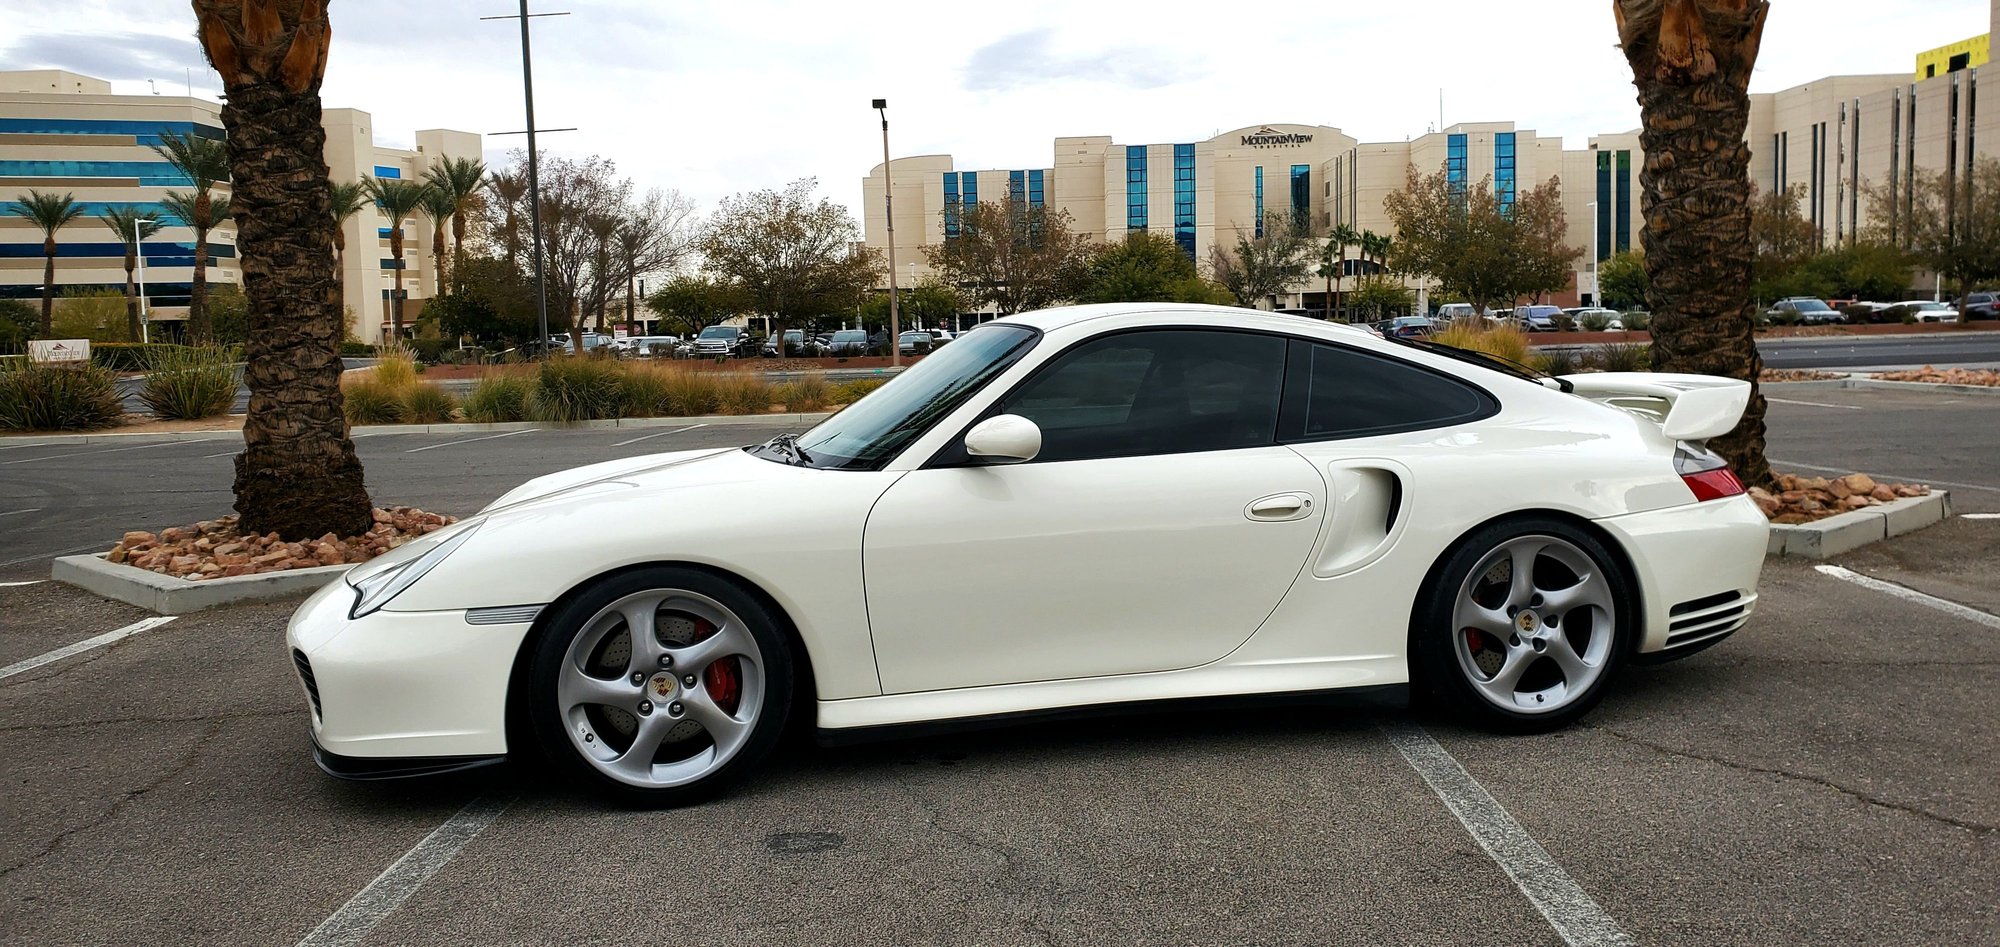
<point>1687,407</point>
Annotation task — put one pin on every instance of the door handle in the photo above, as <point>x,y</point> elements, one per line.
<point>1280,507</point>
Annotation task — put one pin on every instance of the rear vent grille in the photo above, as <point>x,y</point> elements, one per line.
<point>1704,617</point>
<point>306,676</point>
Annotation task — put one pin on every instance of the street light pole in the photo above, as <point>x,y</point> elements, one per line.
<point>534,165</point>
<point>889,216</point>
<point>139,251</point>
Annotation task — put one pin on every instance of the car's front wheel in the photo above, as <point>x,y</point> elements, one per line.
<point>660,686</point>
<point>1522,626</point>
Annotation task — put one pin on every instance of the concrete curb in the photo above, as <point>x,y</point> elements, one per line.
<point>457,428</point>
<point>1934,387</point>
<point>1824,539</point>
<point>169,595</point>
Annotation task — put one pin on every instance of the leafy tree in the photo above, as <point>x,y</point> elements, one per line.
<point>298,475</point>
<point>1691,61</point>
<point>1377,296</point>
<point>1782,241</point>
<point>1621,280</point>
<point>94,314</point>
<point>1867,269</point>
<point>49,214</point>
<point>132,226</point>
<point>1476,247</point>
<point>205,163</point>
<point>18,322</point>
<point>1144,267</point>
<point>398,200</point>
<point>1260,267</point>
<point>228,314</point>
<point>689,304</point>
<point>488,301</point>
<point>1952,231</point>
<point>1013,255</point>
<point>929,303</point>
<point>796,256</point>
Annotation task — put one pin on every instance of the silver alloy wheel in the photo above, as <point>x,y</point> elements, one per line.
<point>635,689</point>
<point>1533,626</point>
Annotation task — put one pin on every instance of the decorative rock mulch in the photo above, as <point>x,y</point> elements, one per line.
<point>213,549</point>
<point>1804,499</point>
<point>1945,376</point>
<point>1771,375</point>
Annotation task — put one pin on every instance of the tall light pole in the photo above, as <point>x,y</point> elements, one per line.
<point>534,164</point>
<point>881,106</point>
<point>139,252</point>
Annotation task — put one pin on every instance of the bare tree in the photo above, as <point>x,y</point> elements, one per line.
<point>795,255</point>
<point>1011,254</point>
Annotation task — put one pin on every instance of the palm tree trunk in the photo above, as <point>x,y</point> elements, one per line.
<point>437,260</point>
<point>396,298</point>
<point>133,331</point>
<point>340,273</point>
<point>458,245</point>
<point>1692,60</point>
<point>49,287</point>
<point>197,324</point>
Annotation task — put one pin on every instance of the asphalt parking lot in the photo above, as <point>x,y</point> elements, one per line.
<point>1826,776</point>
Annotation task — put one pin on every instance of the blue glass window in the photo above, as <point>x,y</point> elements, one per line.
<point>950,204</point>
<point>385,232</point>
<point>1503,170</point>
<point>1624,223</point>
<point>384,171</point>
<point>968,185</point>
<point>94,208</point>
<point>391,263</point>
<point>1135,187</point>
<point>1017,186</point>
<point>1260,200</point>
<point>1184,198</point>
<point>1302,196</point>
<point>1603,205</point>
<point>148,133</point>
<point>156,252</point>
<point>149,173</point>
<point>1035,188</point>
<point>1454,165</point>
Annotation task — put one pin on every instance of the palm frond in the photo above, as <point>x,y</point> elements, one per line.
<point>205,161</point>
<point>460,177</point>
<point>124,221</point>
<point>396,198</point>
<point>348,199</point>
<point>48,211</point>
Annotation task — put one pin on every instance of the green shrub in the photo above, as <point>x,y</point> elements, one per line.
<point>228,313</point>
<point>689,393</point>
<point>95,314</point>
<point>132,356</point>
<point>1635,357</point>
<point>848,392</point>
<point>186,384</point>
<point>368,401</point>
<point>1637,320</point>
<point>808,392</point>
<point>427,404</point>
<point>1595,322</point>
<point>18,322</point>
<point>58,397</point>
<point>576,389</point>
<point>1555,361</point>
<point>642,394</point>
<point>356,350</point>
<point>1505,341</point>
<point>742,393</point>
<point>397,368</point>
<point>429,351</point>
<point>497,398</point>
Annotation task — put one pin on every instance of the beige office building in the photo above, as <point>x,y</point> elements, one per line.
<point>1834,140</point>
<point>69,133</point>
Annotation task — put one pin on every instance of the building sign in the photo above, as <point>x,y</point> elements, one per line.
<point>59,350</point>
<point>1268,137</point>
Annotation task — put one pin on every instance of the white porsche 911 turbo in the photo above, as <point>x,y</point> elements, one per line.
<point>1073,509</point>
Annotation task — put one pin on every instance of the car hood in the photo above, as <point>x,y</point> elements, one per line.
<point>668,470</point>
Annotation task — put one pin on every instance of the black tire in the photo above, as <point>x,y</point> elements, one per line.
<point>1437,675</point>
<point>560,628</point>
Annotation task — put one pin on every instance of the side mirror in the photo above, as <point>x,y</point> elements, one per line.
<point>1006,439</point>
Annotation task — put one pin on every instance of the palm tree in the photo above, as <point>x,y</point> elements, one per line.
<point>298,475</point>
<point>1691,61</point>
<point>348,199</point>
<point>131,225</point>
<point>49,213</point>
<point>1375,249</point>
<point>398,200</point>
<point>1333,260</point>
<point>463,179</point>
<point>511,188</point>
<point>439,206</point>
<point>205,163</point>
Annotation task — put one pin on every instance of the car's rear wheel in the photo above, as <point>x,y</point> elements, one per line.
<point>660,686</point>
<point>1523,626</point>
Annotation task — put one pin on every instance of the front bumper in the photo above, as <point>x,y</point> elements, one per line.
<point>396,767</point>
<point>1697,567</point>
<point>399,690</point>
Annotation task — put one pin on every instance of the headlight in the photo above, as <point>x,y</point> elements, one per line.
<point>374,588</point>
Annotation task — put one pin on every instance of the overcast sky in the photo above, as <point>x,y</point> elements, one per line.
<point>716,97</point>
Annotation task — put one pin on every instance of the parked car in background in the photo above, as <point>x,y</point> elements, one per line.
<point>916,342</point>
<point>1405,327</point>
<point>1980,306</point>
<point>1806,310</point>
<point>651,346</point>
<point>1456,311</point>
<point>848,343</point>
<point>1539,318</point>
<point>796,345</point>
<point>723,342</point>
<point>1584,316</point>
<point>1924,310</point>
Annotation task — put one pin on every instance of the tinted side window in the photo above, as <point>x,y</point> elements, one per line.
<point>1165,392</point>
<point>1338,393</point>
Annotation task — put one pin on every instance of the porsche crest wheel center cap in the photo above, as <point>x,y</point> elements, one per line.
<point>661,686</point>
<point>1527,622</point>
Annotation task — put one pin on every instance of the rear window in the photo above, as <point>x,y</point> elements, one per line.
<point>1334,392</point>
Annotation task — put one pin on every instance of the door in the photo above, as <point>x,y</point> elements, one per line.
<point>1156,530</point>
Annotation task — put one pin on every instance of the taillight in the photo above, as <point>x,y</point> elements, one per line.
<point>1706,474</point>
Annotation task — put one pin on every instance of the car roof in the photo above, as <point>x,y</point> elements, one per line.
<point>1064,316</point>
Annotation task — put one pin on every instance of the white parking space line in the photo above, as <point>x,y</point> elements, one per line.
<point>1907,594</point>
<point>110,450</point>
<point>1980,516</point>
<point>18,446</point>
<point>1816,404</point>
<point>1578,919</point>
<point>19,512</point>
<point>1843,470</point>
<point>469,440</point>
<point>84,645</point>
<point>649,437</point>
<point>16,585</point>
<point>396,883</point>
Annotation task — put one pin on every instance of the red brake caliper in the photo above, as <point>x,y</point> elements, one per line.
<point>722,678</point>
<point>1472,642</point>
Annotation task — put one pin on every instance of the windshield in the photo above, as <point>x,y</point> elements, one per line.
<point>1810,305</point>
<point>848,335</point>
<point>718,332</point>
<point>872,430</point>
